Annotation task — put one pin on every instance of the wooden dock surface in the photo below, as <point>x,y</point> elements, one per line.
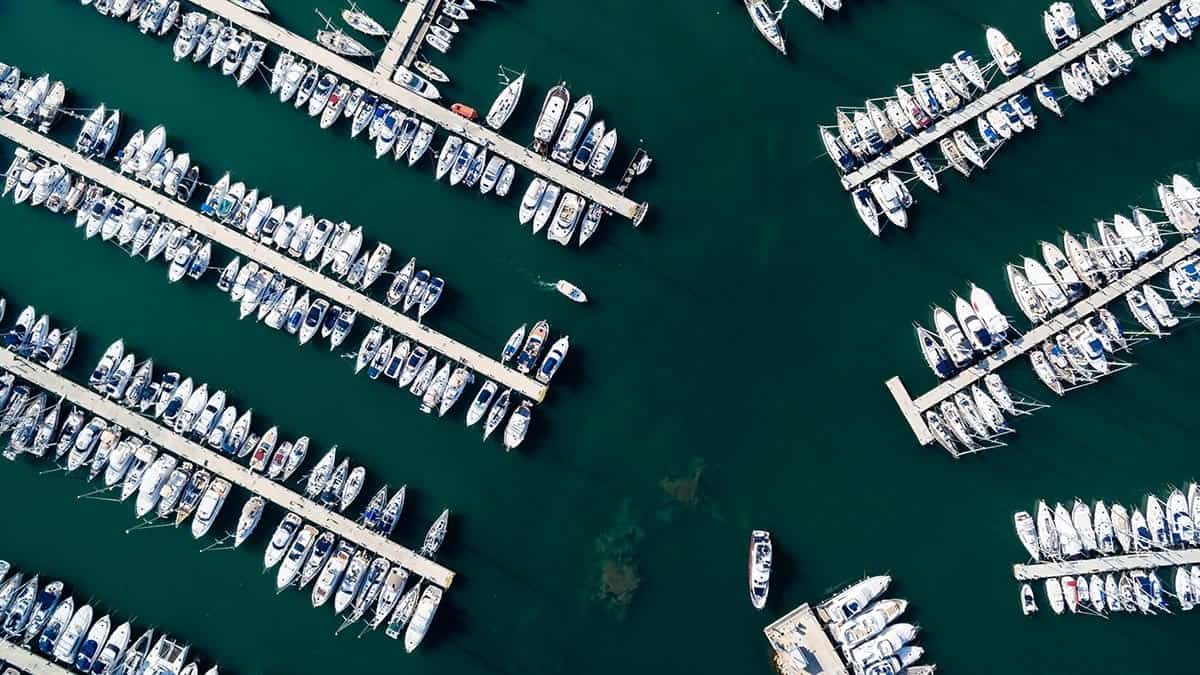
<point>411,20</point>
<point>1113,563</point>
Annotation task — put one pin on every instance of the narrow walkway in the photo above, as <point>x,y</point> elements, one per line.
<point>276,260</point>
<point>430,110</point>
<point>914,409</point>
<point>414,45</point>
<point>411,20</point>
<point>1001,93</point>
<point>1112,563</point>
<point>220,465</point>
<point>29,662</point>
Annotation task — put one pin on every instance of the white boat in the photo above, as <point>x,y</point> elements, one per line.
<point>506,101</point>
<point>554,108</point>
<point>340,43</point>
<point>760,567</point>
<point>853,600</point>
<point>415,83</point>
<point>1008,59</point>
<point>518,426</point>
<point>361,22</point>
<point>767,23</point>
<point>422,618</point>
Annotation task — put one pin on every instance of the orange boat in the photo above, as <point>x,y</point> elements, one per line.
<point>465,110</point>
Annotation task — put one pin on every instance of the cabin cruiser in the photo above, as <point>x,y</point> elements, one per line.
<point>554,108</point>
<point>415,83</point>
<point>1008,59</point>
<point>760,567</point>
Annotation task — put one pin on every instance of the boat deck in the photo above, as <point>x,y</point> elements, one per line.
<point>381,84</point>
<point>913,410</point>
<point>994,97</point>
<point>267,256</point>
<point>801,645</point>
<point>402,46</point>
<point>220,465</point>
<point>1113,563</point>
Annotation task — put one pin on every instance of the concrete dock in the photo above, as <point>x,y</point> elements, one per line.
<point>26,661</point>
<point>913,410</point>
<point>382,85</point>
<point>220,465</point>
<point>1113,563</point>
<point>801,645</point>
<point>1051,65</point>
<point>267,256</point>
<point>414,21</point>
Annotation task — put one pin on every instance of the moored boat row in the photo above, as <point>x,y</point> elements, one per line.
<point>47,620</point>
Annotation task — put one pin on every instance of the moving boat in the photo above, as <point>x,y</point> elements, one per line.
<point>760,567</point>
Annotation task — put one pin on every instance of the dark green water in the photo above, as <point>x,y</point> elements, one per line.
<point>744,331</point>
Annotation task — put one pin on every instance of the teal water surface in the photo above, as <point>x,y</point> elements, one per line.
<point>727,375</point>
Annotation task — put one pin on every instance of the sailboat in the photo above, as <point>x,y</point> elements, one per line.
<point>506,101</point>
<point>337,41</point>
<point>767,22</point>
<point>361,22</point>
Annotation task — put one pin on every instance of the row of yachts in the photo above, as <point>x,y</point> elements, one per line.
<point>34,337</point>
<point>1085,263</point>
<point>972,417</point>
<point>35,101</point>
<point>372,588</point>
<point>46,619</point>
<point>1060,533</point>
<point>282,306</point>
<point>932,95</point>
<point>1131,591</point>
<point>172,491</point>
<point>563,131</point>
<point>863,625</point>
<point>207,418</point>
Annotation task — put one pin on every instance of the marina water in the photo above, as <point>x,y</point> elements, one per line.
<point>726,375</point>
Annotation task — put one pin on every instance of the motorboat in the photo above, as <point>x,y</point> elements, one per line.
<point>1008,59</point>
<point>554,108</point>
<point>956,343</point>
<point>415,83</point>
<point>760,567</point>
<point>976,330</point>
<point>518,426</point>
<point>995,321</point>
